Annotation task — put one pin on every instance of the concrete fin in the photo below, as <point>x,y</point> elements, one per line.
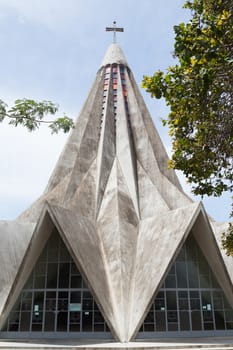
<point>159,240</point>
<point>88,118</point>
<point>124,147</point>
<point>89,144</point>
<point>108,230</point>
<point>150,200</point>
<point>138,110</point>
<point>83,200</point>
<point>107,147</point>
<point>218,229</point>
<point>172,195</point>
<point>15,238</point>
<point>118,228</point>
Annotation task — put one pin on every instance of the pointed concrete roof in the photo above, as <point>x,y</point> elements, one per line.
<point>114,54</point>
<point>114,202</point>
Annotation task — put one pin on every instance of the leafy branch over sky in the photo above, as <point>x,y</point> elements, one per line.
<point>31,114</point>
<point>199,91</point>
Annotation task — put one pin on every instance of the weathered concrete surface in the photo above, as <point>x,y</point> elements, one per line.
<point>15,238</point>
<point>115,204</point>
<point>114,54</point>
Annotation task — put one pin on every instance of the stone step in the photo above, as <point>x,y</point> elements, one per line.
<point>71,345</point>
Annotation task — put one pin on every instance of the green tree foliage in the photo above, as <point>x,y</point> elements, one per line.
<point>199,91</point>
<point>31,114</point>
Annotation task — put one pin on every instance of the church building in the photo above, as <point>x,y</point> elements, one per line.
<point>114,248</point>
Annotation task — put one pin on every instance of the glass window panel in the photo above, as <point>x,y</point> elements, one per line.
<point>196,320</point>
<point>75,317</point>
<point>204,281</point>
<point>37,327</point>
<point>25,321</point>
<point>183,304</point>
<point>195,304</point>
<point>207,316</point>
<point>183,294</point>
<point>149,318</point>
<point>181,256</point>
<point>184,321</point>
<point>74,270</point>
<point>76,282</point>
<point>75,297</point>
<point>39,282</point>
<point>50,304</point>
<point>64,254</point>
<point>52,275</point>
<point>98,318</point>
<point>64,274</point>
<point>172,316</point>
<point>99,327</point>
<point>194,294</point>
<point>214,281</point>
<point>192,275</point>
<point>26,303</point>
<point>208,326</point>
<point>181,275</point>
<point>14,317</point>
<point>218,303</point>
<point>160,321</point>
<point>62,321</point>
<point>172,327</point>
<point>229,325</point>
<point>170,281</point>
<point>171,300</point>
<point>87,295</point>
<point>13,327</point>
<point>219,320</point>
<point>40,269</point>
<point>29,283</point>
<point>149,327</point>
<point>206,300</point>
<point>160,294</point>
<point>75,327</point>
<point>53,255</point>
<point>229,315</point>
<point>49,321</point>
<point>62,305</point>
<point>87,321</point>
<point>88,304</point>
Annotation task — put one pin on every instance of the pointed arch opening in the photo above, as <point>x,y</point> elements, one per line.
<point>190,301</point>
<point>55,300</point>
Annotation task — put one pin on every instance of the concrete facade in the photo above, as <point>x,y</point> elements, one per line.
<point>114,203</point>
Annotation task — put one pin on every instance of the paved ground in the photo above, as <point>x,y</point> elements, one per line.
<point>69,344</point>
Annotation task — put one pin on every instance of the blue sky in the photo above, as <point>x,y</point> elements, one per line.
<point>52,49</point>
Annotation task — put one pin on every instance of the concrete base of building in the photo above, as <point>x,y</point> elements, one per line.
<point>71,344</point>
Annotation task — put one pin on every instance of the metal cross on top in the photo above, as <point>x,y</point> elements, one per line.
<point>114,29</point>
